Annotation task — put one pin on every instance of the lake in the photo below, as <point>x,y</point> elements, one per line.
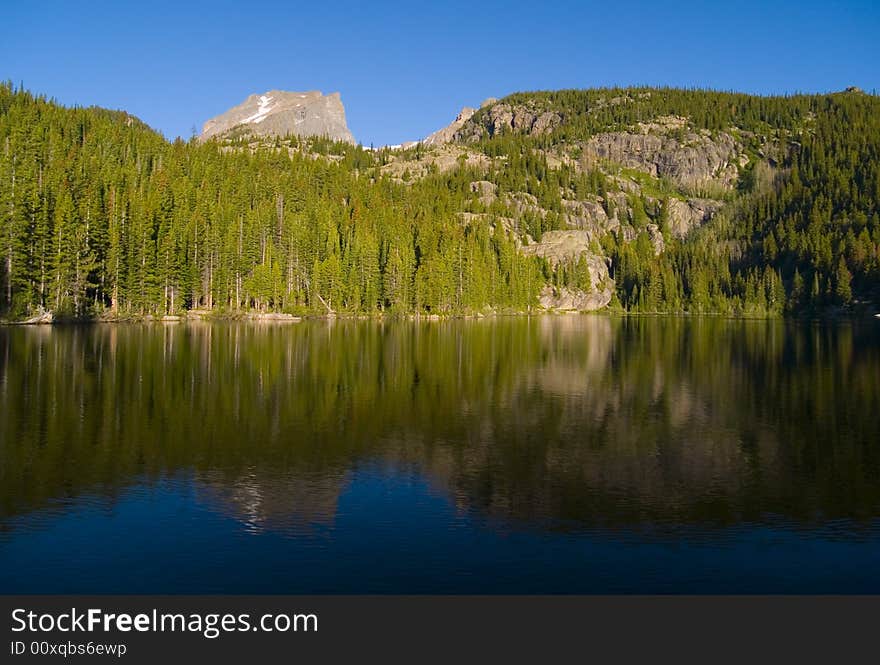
<point>555,454</point>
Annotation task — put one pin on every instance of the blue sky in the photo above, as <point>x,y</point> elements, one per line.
<point>406,68</point>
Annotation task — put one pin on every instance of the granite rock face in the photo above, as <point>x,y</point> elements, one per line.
<point>685,215</point>
<point>666,147</point>
<point>588,215</point>
<point>502,117</point>
<point>669,149</point>
<point>567,299</point>
<point>656,238</point>
<point>563,246</point>
<point>447,134</point>
<point>279,113</point>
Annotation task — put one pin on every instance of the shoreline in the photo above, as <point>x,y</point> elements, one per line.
<point>208,316</point>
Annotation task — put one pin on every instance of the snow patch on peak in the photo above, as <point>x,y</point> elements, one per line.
<point>263,110</point>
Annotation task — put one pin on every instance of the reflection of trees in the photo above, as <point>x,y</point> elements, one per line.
<point>713,421</point>
<point>583,418</point>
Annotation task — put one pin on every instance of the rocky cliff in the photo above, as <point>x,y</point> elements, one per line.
<point>447,134</point>
<point>569,247</point>
<point>505,117</point>
<point>668,148</point>
<point>280,113</point>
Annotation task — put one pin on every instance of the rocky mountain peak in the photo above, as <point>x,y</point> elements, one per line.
<point>447,134</point>
<point>279,113</point>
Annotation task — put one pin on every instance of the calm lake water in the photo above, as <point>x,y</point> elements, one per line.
<point>577,454</point>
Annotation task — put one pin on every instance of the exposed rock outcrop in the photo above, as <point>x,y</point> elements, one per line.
<point>439,159</point>
<point>668,149</point>
<point>280,113</point>
<point>589,216</point>
<point>447,134</point>
<point>487,191</point>
<point>503,117</point>
<point>522,203</point>
<point>564,246</point>
<point>685,215</point>
<point>568,299</point>
<point>656,238</point>
<point>40,318</point>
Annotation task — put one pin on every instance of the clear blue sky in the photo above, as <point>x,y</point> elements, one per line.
<point>405,68</point>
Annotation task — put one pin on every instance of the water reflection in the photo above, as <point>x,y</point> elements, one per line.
<point>290,504</point>
<point>552,424</point>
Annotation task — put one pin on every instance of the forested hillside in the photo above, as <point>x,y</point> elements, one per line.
<point>794,186</point>
<point>101,213</point>
<point>644,199</point>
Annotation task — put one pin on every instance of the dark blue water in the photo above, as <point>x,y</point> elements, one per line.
<point>579,455</point>
<point>392,533</point>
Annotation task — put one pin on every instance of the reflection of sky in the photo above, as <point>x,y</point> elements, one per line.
<point>393,533</point>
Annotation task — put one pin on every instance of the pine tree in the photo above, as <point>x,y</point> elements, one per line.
<point>843,280</point>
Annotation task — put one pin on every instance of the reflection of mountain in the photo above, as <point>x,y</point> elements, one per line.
<point>585,419</point>
<point>674,425</point>
<point>283,503</point>
<point>581,352</point>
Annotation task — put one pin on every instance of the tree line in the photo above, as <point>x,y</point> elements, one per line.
<point>800,234</point>
<point>103,216</point>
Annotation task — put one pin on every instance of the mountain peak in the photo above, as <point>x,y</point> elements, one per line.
<point>447,134</point>
<point>280,112</point>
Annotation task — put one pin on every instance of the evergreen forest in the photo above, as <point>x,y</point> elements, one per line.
<point>102,217</point>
